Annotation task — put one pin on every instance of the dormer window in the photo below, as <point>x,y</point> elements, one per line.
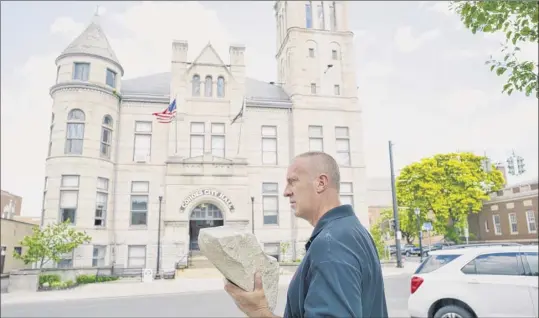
<point>81,71</point>
<point>208,86</point>
<point>111,78</point>
<point>196,85</point>
<point>220,86</point>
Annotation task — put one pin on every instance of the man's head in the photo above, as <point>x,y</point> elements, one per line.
<point>313,181</point>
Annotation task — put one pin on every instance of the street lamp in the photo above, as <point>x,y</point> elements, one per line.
<point>253,215</point>
<point>417,212</point>
<point>157,274</point>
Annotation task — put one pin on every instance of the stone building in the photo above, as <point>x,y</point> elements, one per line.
<point>112,169</point>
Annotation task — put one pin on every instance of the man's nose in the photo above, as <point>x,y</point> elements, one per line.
<point>287,192</point>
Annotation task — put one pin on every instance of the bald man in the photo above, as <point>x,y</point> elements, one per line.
<point>340,275</point>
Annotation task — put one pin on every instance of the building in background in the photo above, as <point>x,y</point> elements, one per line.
<point>509,216</point>
<point>10,204</point>
<point>12,233</point>
<point>223,161</point>
<point>378,197</point>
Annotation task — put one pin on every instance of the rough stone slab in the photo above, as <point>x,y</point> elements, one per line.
<point>238,256</point>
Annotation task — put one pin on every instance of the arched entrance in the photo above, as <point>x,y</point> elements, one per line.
<point>202,216</point>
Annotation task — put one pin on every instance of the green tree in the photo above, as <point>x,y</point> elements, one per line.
<point>50,243</point>
<point>407,223</point>
<point>376,233</point>
<point>450,186</point>
<point>518,20</point>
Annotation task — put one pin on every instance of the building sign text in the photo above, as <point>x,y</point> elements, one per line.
<point>209,192</point>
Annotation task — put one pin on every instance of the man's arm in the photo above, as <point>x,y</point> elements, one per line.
<point>334,291</point>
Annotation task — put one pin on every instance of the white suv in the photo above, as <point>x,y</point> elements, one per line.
<point>476,282</point>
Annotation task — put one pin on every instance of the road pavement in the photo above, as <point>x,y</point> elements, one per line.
<point>198,304</point>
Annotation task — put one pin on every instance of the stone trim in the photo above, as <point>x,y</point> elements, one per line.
<point>83,85</point>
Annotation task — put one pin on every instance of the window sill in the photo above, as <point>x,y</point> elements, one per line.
<point>138,227</point>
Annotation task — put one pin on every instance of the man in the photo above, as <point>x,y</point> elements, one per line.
<point>340,274</point>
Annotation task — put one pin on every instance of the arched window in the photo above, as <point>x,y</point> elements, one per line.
<point>220,86</point>
<point>75,132</point>
<point>196,85</point>
<point>106,137</point>
<point>208,82</point>
<point>50,135</point>
<point>309,14</point>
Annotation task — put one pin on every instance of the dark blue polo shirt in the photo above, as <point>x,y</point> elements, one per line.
<point>340,275</point>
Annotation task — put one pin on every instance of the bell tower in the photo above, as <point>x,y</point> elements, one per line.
<point>315,52</point>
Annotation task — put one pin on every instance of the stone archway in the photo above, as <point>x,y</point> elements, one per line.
<point>204,215</point>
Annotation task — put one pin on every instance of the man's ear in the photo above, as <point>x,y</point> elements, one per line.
<point>322,183</point>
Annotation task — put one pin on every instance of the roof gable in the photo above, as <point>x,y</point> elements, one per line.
<point>209,55</point>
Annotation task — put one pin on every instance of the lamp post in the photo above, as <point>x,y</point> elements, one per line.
<point>157,274</point>
<point>417,212</point>
<point>253,215</point>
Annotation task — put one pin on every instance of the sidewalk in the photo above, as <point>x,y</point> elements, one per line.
<point>158,287</point>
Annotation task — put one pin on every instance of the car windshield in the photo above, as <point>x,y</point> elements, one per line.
<point>435,262</point>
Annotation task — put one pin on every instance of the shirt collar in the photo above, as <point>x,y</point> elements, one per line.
<point>331,215</point>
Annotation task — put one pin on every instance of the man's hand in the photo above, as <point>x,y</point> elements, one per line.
<point>253,304</point>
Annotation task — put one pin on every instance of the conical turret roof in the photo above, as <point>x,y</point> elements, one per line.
<point>92,41</point>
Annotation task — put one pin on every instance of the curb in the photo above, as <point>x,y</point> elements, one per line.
<point>56,296</point>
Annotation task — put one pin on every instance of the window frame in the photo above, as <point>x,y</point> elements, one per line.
<point>273,195</point>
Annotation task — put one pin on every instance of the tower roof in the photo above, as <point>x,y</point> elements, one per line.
<point>92,41</point>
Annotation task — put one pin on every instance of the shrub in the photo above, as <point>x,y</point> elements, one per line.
<point>49,279</point>
<point>86,279</point>
<point>89,279</point>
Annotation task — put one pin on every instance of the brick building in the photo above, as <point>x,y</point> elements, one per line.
<point>509,216</point>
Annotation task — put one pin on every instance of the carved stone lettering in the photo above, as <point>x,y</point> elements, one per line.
<point>207,192</point>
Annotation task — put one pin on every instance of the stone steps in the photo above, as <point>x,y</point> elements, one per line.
<point>199,273</point>
<point>198,260</point>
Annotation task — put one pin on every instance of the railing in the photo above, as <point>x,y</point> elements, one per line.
<point>183,262</point>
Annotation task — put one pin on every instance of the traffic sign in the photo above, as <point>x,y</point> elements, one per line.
<point>427,226</point>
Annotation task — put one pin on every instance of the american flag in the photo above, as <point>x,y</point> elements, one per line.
<point>168,114</point>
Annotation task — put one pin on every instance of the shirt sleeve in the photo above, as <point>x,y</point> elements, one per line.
<point>334,291</point>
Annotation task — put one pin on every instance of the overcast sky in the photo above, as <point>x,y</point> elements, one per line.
<point>422,78</point>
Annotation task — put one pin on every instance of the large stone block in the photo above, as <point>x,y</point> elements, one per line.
<point>238,256</point>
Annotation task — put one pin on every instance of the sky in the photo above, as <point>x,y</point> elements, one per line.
<point>422,78</point>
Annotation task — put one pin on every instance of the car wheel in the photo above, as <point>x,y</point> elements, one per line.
<point>452,311</point>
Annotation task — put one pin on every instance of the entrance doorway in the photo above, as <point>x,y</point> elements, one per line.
<point>203,216</point>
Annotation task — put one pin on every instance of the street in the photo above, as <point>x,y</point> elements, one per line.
<point>200,304</point>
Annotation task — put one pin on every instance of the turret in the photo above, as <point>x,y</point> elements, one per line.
<point>81,159</point>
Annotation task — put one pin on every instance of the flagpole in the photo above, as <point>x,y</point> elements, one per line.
<point>241,126</point>
<point>176,127</point>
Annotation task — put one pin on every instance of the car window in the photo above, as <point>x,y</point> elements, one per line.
<point>435,262</point>
<point>533,262</point>
<point>494,264</point>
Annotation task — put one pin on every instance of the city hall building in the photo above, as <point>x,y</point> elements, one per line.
<point>126,179</point>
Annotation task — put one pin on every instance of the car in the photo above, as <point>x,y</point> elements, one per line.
<point>405,249</point>
<point>492,281</point>
<point>416,251</point>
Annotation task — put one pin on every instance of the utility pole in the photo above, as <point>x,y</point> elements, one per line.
<point>420,233</point>
<point>395,208</point>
